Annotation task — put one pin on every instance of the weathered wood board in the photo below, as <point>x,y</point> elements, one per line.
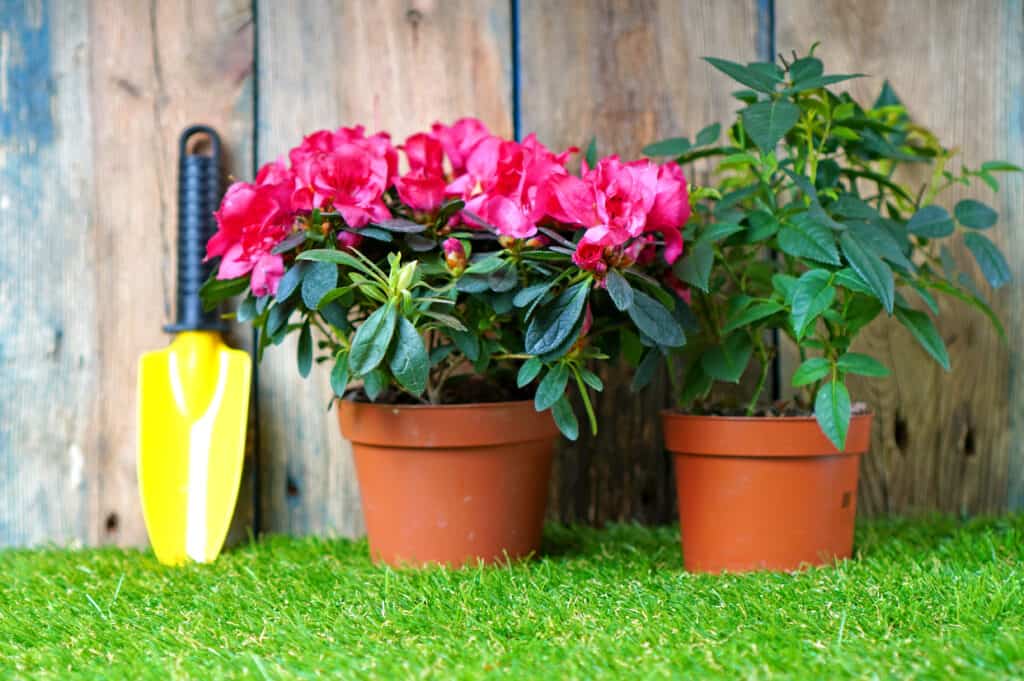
<point>92,98</point>
<point>399,66</point>
<point>93,95</point>
<point>941,441</point>
<point>629,73</point>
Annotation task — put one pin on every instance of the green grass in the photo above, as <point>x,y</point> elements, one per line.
<point>923,599</point>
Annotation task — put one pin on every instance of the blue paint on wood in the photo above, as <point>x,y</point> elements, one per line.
<point>26,75</point>
<point>766,30</point>
<point>517,111</point>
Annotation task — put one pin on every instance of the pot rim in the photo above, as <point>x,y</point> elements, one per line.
<point>673,413</point>
<point>455,426</point>
<point>466,405</point>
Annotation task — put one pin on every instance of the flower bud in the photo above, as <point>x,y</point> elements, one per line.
<point>538,242</point>
<point>405,276</point>
<point>454,255</point>
<point>506,241</point>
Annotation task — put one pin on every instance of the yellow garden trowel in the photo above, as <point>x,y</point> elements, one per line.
<point>194,394</point>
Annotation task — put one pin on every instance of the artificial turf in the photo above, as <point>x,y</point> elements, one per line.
<point>923,599</point>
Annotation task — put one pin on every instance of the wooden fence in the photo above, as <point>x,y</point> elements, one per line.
<point>94,93</point>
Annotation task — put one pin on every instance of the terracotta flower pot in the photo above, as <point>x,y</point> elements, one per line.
<point>763,493</point>
<point>451,484</point>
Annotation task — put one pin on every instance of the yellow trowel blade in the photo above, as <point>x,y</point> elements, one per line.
<point>193,408</point>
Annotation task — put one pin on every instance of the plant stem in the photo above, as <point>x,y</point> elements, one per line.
<point>766,365</point>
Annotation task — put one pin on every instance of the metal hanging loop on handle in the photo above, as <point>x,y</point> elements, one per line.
<point>199,195</point>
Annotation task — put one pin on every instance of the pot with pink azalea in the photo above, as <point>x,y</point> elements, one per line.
<point>461,287</point>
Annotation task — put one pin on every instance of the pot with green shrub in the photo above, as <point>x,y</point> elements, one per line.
<point>460,286</point>
<point>811,232</point>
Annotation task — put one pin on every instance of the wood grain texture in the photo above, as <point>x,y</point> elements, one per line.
<point>630,73</point>
<point>941,441</point>
<point>48,342</point>
<point>397,65</point>
<point>92,98</point>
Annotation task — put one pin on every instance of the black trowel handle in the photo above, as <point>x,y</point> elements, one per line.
<point>199,195</point>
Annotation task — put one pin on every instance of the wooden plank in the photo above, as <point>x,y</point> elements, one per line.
<point>155,68</point>
<point>47,343</point>
<point>397,65</point>
<point>629,72</point>
<point>92,98</point>
<point>941,441</point>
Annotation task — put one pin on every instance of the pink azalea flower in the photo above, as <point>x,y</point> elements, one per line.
<point>512,195</point>
<point>423,188</point>
<point>459,140</point>
<point>252,219</point>
<point>671,209</point>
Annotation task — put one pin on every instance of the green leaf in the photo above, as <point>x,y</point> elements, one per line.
<point>645,370</point>
<point>339,374</point>
<point>486,264</point>
<point>565,419</point>
<point>375,234</point>
<point>749,315</point>
<point>1000,167</point>
<point>619,290</point>
<point>804,68</point>
<point>305,350</point>
<point>696,385</point>
<point>467,343</point>
<point>655,322</point>
<point>673,146</point>
<point>971,300</point>
<point>591,154</point>
<point>504,279</point>
<point>820,81</point>
<point>319,279</point>
<point>863,365</point>
<point>409,361</point>
<point>528,371</point>
<point>931,222</point>
<point>529,294</point>
<point>875,273</point>
<point>214,290</point>
<point>336,315</point>
<point>763,225</point>
<point>727,362</point>
<point>374,384</point>
<point>813,369</point>
<point>758,79</point>
<point>975,214</point>
<point>832,409</point>
<point>875,238</point>
<point>708,135</point>
<point>695,267</point>
<point>246,310</point>
<point>552,387</point>
<point>288,243</point>
<point>372,340</point>
<point>473,283</point>
<point>992,263</point>
<point>768,122</point>
<point>718,231</point>
<point>848,278</point>
<point>784,285</point>
<point>291,281</point>
<point>921,327</point>
<point>278,317</point>
<point>552,323</point>
<point>804,238</point>
<point>812,295</point>
<point>592,379</point>
<point>401,225</point>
